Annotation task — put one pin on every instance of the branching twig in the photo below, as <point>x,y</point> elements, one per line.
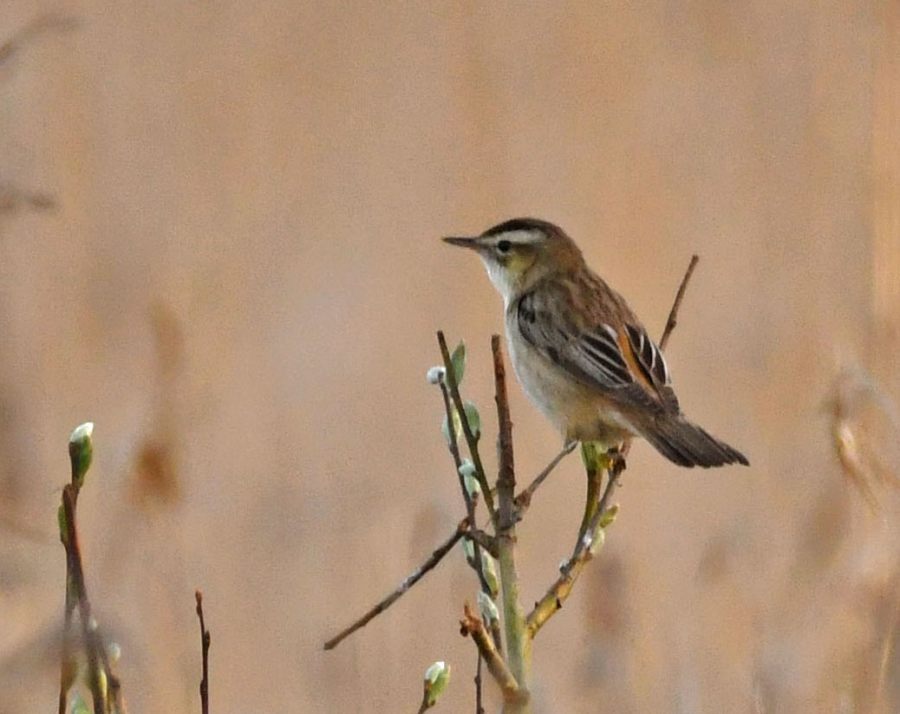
<point>453,446</point>
<point>560,590</point>
<point>479,707</point>
<point>472,624</point>
<point>471,439</point>
<point>204,644</point>
<point>479,538</point>
<point>523,500</point>
<point>485,540</point>
<point>407,583</point>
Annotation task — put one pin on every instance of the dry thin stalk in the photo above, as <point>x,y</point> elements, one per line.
<point>523,499</point>
<point>676,306</point>
<point>472,624</point>
<point>479,707</point>
<point>560,590</point>
<point>204,645</point>
<point>77,597</point>
<point>410,580</point>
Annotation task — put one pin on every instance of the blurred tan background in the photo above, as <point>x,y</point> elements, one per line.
<point>219,234</point>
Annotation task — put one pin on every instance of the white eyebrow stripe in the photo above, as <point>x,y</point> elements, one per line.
<point>516,237</point>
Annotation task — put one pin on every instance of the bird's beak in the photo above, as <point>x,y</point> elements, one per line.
<point>462,242</point>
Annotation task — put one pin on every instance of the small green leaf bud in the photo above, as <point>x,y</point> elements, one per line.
<point>489,568</point>
<point>81,451</point>
<point>437,676</point>
<point>103,684</point>
<point>595,543</point>
<point>470,479</point>
<point>458,362</point>
<point>488,608</point>
<point>474,419</point>
<point>457,426</point>
<point>609,516</point>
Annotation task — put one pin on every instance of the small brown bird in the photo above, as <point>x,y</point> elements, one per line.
<point>579,351</point>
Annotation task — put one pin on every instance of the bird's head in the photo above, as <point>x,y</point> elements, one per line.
<point>520,252</point>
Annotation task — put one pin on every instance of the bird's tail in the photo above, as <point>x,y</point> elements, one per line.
<point>686,444</point>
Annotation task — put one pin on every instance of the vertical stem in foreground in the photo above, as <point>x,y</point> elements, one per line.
<point>204,648</point>
<point>518,646</point>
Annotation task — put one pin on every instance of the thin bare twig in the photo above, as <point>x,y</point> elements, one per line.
<point>204,644</point>
<point>479,707</point>
<point>453,447</point>
<point>404,586</point>
<point>595,509</point>
<point>584,551</point>
<point>679,296</point>
<point>98,661</point>
<point>483,539</point>
<point>471,439</point>
<point>69,666</point>
<point>472,624</point>
<point>75,581</point>
<point>523,500</point>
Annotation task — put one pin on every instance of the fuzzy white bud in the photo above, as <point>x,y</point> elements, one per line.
<point>488,608</point>
<point>437,677</point>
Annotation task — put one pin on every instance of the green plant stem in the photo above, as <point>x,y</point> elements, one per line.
<point>594,474</point>
<point>76,584</point>
<point>518,644</point>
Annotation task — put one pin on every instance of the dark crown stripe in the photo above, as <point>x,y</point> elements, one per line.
<point>519,224</point>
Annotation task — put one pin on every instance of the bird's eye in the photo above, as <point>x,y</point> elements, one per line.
<point>504,246</point>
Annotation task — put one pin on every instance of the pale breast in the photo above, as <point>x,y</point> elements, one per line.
<point>575,410</point>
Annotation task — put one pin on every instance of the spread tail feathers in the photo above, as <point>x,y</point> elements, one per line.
<point>688,445</point>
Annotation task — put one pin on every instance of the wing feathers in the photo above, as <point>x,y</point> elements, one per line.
<point>603,353</point>
<point>596,354</point>
<point>649,358</point>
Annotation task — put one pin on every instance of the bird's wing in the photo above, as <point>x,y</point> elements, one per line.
<point>622,362</point>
